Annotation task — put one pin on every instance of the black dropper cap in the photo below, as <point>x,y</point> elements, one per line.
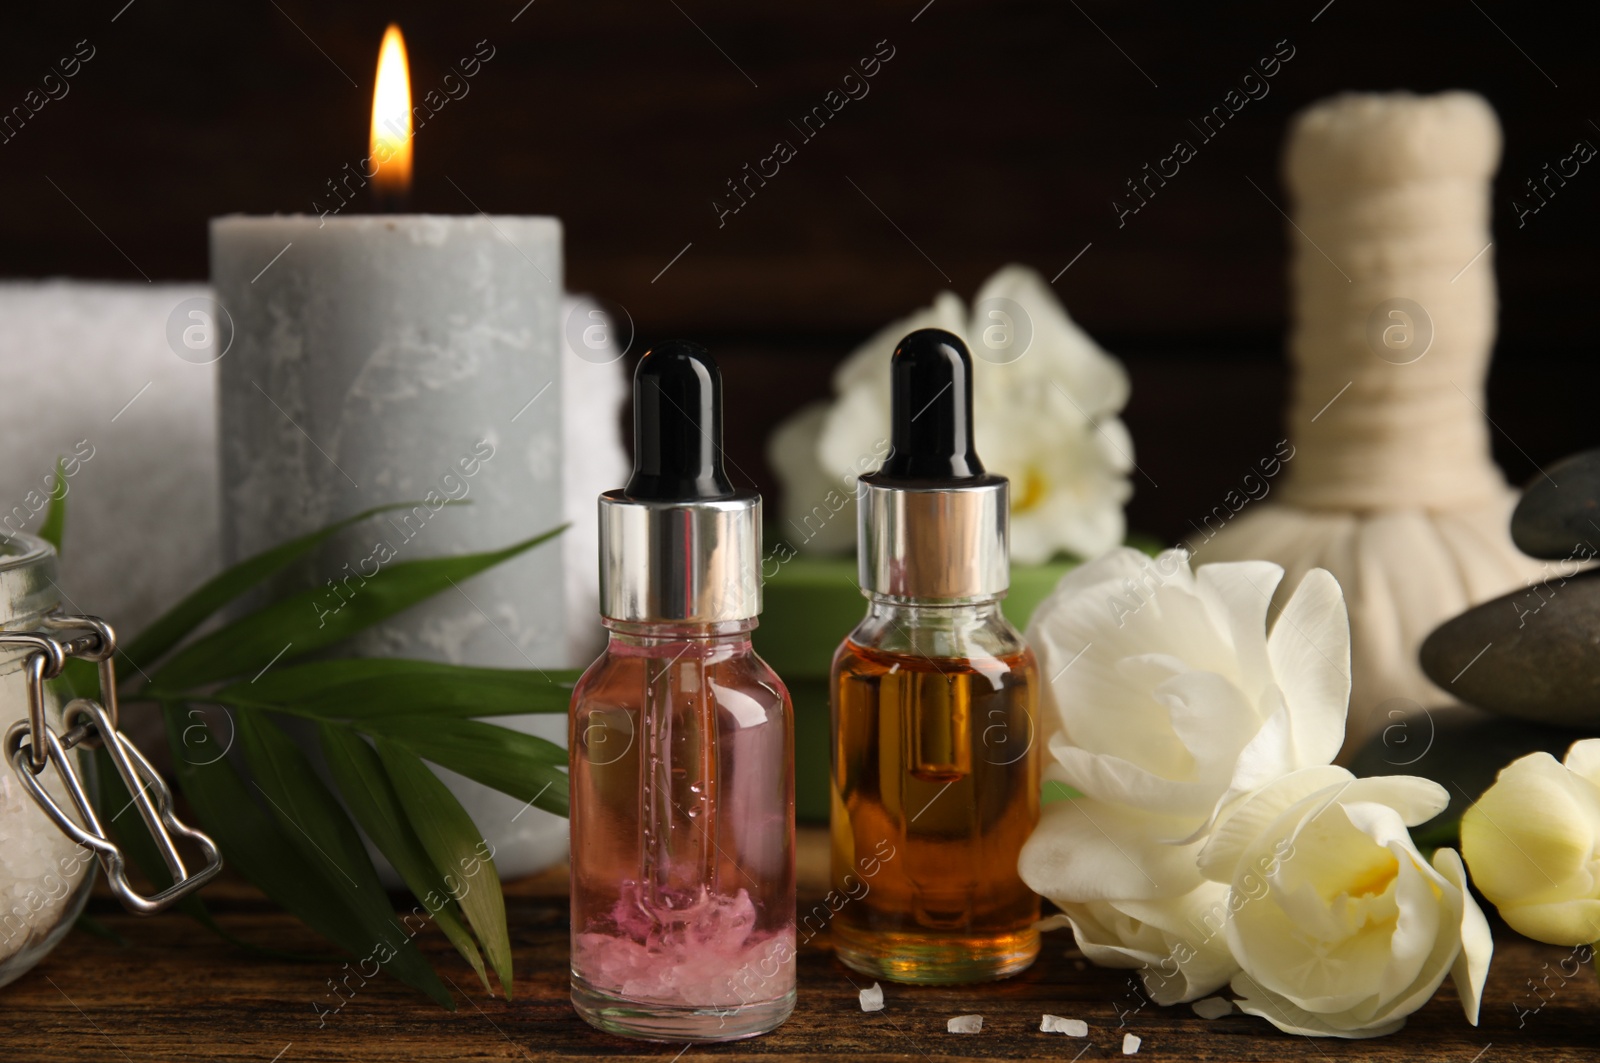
<point>677,426</point>
<point>679,544</point>
<point>931,395</point>
<point>931,523</point>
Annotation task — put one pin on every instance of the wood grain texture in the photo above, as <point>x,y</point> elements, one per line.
<point>178,994</point>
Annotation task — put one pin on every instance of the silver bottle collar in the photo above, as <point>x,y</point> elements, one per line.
<point>688,562</point>
<point>936,541</point>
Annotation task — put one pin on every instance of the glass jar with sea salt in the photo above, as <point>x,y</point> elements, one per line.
<point>45,876</point>
<point>51,837</point>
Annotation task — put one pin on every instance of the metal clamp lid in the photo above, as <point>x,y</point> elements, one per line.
<point>30,746</point>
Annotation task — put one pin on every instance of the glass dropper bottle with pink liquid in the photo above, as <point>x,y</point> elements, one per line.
<point>681,744</point>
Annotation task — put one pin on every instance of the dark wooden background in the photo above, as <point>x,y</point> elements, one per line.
<point>999,131</point>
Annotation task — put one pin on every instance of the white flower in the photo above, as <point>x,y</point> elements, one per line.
<point>1046,418</point>
<point>817,510</point>
<point>1339,925</point>
<point>1178,946</point>
<point>1213,841</point>
<point>1167,699</point>
<point>1533,843</point>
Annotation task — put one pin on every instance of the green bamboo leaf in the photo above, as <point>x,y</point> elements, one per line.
<point>254,844</point>
<point>54,527</point>
<point>311,619</point>
<point>172,626</point>
<point>79,679</point>
<point>315,824</point>
<point>525,766</point>
<point>382,686</point>
<point>370,795</point>
<point>458,851</point>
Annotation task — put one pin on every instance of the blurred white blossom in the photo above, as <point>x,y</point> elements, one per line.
<point>1045,400</point>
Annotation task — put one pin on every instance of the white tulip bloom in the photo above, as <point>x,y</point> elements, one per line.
<point>1167,700</point>
<point>1045,405</point>
<point>1339,926</point>
<point>1533,843</point>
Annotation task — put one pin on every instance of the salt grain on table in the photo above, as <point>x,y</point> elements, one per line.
<point>964,1024</point>
<point>872,999</point>
<point>1130,1044</point>
<point>1212,1008</point>
<point>1070,1027</point>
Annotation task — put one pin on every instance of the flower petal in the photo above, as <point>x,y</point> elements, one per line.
<point>1115,781</point>
<point>1246,825</point>
<point>1575,922</point>
<point>1583,759</point>
<point>1084,850</point>
<point>818,507</point>
<point>852,428</point>
<point>1471,967</point>
<point>1097,381</point>
<point>1529,836</point>
<point>1310,652</point>
<point>1213,720</point>
<point>1447,913</point>
<point>870,362</point>
<point>1422,944</point>
<point>1174,942</point>
<point>1415,799</point>
<point>1289,1017</point>
<point>1270,753</point>
<point>1238,594</point>
<point>1107,571</point>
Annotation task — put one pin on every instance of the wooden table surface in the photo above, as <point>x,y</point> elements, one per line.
<point>176,993</point>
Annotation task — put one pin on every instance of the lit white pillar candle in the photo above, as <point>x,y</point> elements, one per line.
<point>391,357</point>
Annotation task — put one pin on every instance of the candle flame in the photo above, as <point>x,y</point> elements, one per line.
<point>391,117</point>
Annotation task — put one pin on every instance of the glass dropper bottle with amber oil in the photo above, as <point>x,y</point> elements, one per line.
<point>935,774</point>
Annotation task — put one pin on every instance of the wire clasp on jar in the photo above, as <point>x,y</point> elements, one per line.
<point>31,746</point>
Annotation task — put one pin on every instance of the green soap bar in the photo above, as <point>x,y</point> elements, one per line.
<point>812,603</point>
<point>812,723</point>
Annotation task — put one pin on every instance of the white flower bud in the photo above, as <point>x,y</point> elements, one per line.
<point>1533,843</point>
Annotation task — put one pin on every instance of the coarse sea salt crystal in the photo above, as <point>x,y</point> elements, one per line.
<point>964,1024</point>
<point>710,956</point>
<point>1070,1027</point>
<point>1130,1044</point>
<point>1212,1008</point>
<point>872,999</point>
<point>39,866</point>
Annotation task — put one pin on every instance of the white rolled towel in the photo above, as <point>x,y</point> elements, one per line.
<point>87,372</point>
